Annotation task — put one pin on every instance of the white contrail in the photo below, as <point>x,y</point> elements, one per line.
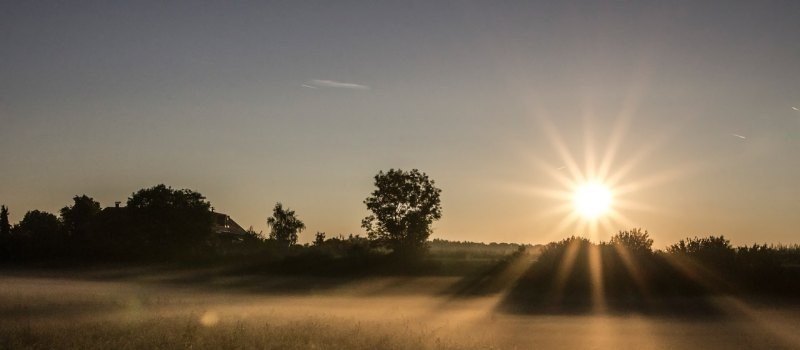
<point>336,84</point>
<point>309,86</point>
<point>739,136</point>
<point>795,108</point>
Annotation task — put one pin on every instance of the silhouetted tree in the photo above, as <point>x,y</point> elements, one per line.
<point>116,236</point>
<point>697,246</point>
<point>319,238</point>
<point>403,207</point>
<point>760,264</point>
<point>553,253</point>
<point>39,234</point>
<point>5,226</point>
<point>5,234</point>
<point>635,241</point>
<point>78,220</point>
<point>38,225</point>
<point>715,252</point>
<point>284,225</point>
<point>171,222</point>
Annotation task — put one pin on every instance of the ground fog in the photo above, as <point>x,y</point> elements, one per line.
<point>133,310</point>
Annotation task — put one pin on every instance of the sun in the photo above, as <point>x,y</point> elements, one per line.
<point>592,199</point>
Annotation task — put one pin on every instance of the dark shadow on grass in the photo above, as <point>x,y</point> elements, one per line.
<point>493,278</point>
<point>576,276</point>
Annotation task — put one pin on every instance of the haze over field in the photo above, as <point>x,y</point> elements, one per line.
<point>389,313</point>
<point>693,107</point>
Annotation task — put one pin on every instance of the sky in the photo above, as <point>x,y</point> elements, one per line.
<point>690,107</point>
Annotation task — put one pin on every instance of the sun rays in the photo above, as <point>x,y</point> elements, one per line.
<point>593,192</point>
<point>589,200</point>
<point>594,188</point>
<point>592,199</point>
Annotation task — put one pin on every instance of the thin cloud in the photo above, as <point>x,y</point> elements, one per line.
<point>795,108</point>
<point>309,86</point>
<point>317,83</point>
<point>739,136</point>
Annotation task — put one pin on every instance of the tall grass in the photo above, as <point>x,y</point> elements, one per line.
<point>193,331</point>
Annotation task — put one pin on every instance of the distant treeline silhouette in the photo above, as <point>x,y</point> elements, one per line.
<point>162,224</point>
<point>157,224</point>
<point>165,224</point>
<point>626,270</point>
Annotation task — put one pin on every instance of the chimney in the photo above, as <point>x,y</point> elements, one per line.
<point>116,204</point>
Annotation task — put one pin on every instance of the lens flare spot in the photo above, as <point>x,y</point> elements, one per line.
<point>209,319</point>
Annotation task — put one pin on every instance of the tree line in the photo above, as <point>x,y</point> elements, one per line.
<point>162,223</point>
<point>627,270</point>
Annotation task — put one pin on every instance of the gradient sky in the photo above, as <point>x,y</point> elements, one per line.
<point>303,102</point>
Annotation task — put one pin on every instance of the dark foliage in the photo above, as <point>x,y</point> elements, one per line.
<point>575,272</point>
<point>319,238</point>
<point>403,206</point>
<point>116,236</point>
<point>79,222</point>
<point>158,223</point>
<point>38,235</point>
<point>284,226</point>
<point>252,243</point>
<point>634,241</point>
<point>5,225</point>
<point>5,233</point>
<point>170,222</point>
<point>471,250</point>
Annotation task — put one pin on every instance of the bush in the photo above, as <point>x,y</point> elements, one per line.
<point>635,241</point>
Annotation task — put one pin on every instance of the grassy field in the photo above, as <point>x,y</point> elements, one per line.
<point>150,309</point>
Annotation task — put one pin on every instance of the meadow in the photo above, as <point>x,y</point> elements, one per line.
<point>157,307</point>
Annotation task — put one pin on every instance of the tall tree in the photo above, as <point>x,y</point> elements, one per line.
<point>403,205</point>
<point>78,219</point>
<point>39,225</point>
<point>171,222</point>
<point>284,225</point>
<point>40,235</point>
<point>5,226</point>
<point>5,234</point>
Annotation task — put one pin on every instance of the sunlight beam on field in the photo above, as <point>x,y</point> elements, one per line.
<point>484,296</point>
<point>633,270</point>
<point>564,271</point>
<point>731,305</point>
<point>596,273</point>
<point>785,332</point>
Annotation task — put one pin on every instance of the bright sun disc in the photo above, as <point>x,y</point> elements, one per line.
<point>592,200</point>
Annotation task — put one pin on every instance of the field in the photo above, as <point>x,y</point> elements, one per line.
<point>149,308</point>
